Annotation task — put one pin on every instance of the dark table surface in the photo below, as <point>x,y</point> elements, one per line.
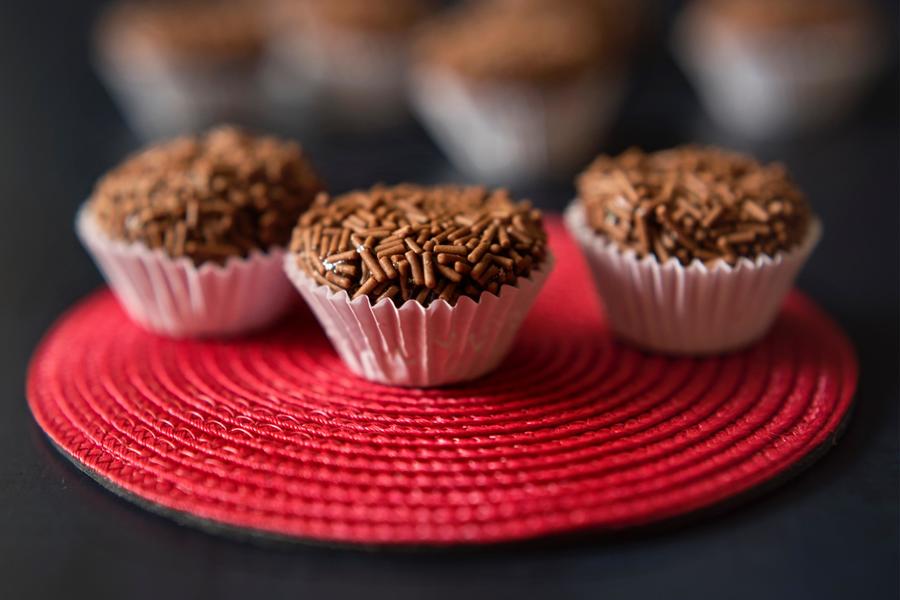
<point>830,533</point>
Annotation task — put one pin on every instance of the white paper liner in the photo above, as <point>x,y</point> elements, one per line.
<point>358,77</point>
<point>698,310</point>
<point>290,91</point>
<point>419,346</point>
<point>763,85</point>
<point>174,297</point>
<point>505,131</point>
<point>161,99</point>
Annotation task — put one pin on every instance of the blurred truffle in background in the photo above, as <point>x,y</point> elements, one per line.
<point>181,66</point>
<point>352,55</point>
<point>513,91</point>
<point>776,68</point>
<point>620,25</point>
<point>516,90</point>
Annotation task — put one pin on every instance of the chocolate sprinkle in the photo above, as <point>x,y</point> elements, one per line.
<point>694,203</point>
<point>207,197</point>
<point>410,242</point>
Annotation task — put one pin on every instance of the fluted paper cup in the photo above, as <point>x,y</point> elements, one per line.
<point>161,99</point>
<point>767,84</point>
<point>359,77</point>
<point>176,298</point>
<point>420,346</point>
<point>292,96</point>
<point>506,131</point>
<point>670,308</point>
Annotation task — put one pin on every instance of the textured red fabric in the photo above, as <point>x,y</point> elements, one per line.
<point>574,431</point>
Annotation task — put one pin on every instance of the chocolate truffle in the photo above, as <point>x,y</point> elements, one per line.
<point>366,15</point>
<point>410,242</point>
<point>504,42</point>
<point>788,14</point>
<point>694,203</point>
<point>194,30</point>
<point>617,24</point>
<point>516,91</point>
<point>207,197</point>
<point>779,68</point>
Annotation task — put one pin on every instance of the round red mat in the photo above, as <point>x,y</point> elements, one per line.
<point>574,431</point>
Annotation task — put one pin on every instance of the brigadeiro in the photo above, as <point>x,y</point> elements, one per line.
<point>692,249</point>
<point>420,286</point>
<point>514,91</point>
<point>177,66</point>
<point>775,68</point>
<point>190,234</point>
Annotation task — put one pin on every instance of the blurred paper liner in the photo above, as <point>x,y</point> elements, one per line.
<point>768,84</point>
<point>509,132</point>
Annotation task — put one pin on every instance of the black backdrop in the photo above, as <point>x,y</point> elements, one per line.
<point>831,533</point>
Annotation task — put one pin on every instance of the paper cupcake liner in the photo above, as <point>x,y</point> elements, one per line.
<point>504,132</point>
<point>771,85</point>
<point>359,78</point>
<point>421,346</point>
<point>159,99</point>
<point>289,89</point>
<point>696,309</point>
<point>174,297</point>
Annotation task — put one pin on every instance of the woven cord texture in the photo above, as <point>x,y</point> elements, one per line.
<point>574,431</point>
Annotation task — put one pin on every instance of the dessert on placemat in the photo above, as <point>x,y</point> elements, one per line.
<point>177,66</point>
<point>515,92</point>
<point>771,68</point>
<point>693,249</point>
<point>190,233</point>
<point>416,285</point>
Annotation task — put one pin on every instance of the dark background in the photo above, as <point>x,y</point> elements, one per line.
<point>831,533</point>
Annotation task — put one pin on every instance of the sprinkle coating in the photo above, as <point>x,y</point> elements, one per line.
<point>209,197</point>
<point>694,203</point>
<point>411,242</point>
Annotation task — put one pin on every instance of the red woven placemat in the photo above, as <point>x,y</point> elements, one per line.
<point>575,431</point>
